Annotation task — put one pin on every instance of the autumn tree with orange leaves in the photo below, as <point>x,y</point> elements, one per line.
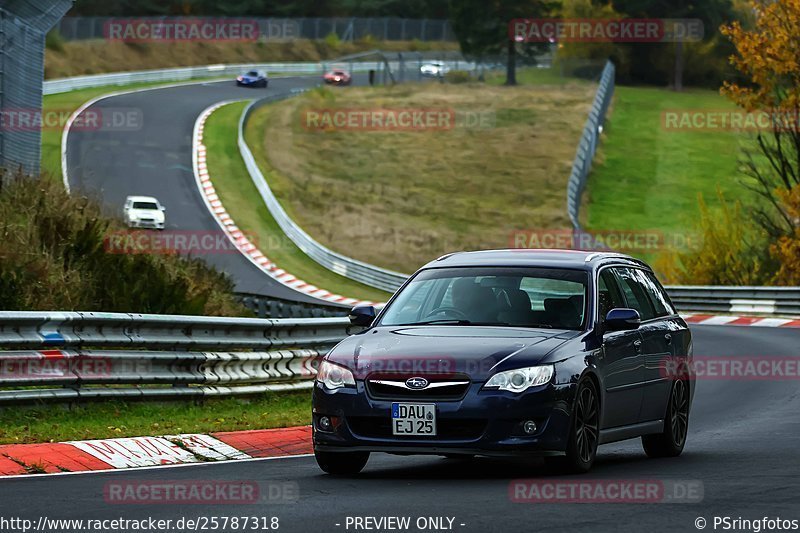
<point>768,56</point>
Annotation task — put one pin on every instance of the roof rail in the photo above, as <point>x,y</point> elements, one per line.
<point>613,255</point>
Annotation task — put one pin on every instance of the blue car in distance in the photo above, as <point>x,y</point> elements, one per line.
<point>253,78</point>
<point>509,353</point>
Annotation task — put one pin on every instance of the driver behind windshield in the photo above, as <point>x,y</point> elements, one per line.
<point>475,302</point>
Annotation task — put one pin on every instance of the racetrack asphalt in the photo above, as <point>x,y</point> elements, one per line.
<point>151,155</point>
<point>743,446</point>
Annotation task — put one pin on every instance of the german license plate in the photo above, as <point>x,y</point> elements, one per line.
<point>414,419</point>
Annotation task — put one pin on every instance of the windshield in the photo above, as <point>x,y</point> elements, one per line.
<point>252,73</point>
<point>145,205</point>
<point>521,297</point>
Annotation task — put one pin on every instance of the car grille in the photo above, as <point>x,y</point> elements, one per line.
<point>451,387</point>
<point>380,427</point>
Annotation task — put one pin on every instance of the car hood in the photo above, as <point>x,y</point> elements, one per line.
<point>424,350</point>
<point>147,213</point>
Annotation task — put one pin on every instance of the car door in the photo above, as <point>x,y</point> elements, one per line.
<point>666,337</point>
<point>655,342</point>
<point>622,367</point>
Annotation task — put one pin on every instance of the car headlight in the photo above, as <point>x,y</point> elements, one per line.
<point>335,376</point>
<point>521,379</point>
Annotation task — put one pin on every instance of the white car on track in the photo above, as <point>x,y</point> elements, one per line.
<point>434,69</point>
<point>144,212</point>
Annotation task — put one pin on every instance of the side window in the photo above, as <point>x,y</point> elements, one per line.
<point>608,294</point>
<point>661,301</point>
<point>635,292</point>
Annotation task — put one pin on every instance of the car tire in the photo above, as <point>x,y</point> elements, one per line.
<point>341,463</point>
<point>670,442</point>
<point>584,431</point>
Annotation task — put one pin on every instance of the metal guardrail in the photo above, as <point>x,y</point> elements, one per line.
<point>63,85</point>
<point>587,147</point>
<point>70,356</point>
<point>73,356</point>
<point>187,74</point>
<point>271,307</point>
<point>354,269</point>
<point>775,301</point>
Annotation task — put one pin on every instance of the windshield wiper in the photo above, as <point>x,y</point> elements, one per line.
<point>455,322</point>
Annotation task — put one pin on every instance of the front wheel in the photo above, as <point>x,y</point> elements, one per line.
<point>670,442</point>
<point>341,463</point>
<point>584,432</point>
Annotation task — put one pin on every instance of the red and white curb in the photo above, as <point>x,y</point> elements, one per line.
<point>137,452</point>
<point>760,322</point>
<point>237,237</point>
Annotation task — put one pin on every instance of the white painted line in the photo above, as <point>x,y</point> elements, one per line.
<point>718,320</point>
<point>772,322</point>
<point>225,222</point>
<point>208,447</point>
<point>135,451</point>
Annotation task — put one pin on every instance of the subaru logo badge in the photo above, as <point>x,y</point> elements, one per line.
<point>416,383</point>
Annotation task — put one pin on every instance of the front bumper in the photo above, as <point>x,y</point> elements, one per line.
<point>481,423</point>
<point>145,224</point>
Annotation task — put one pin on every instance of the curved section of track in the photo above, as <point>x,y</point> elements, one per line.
<point>155,159</point>
<point>743,441</point>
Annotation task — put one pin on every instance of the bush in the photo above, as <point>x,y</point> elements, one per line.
<point>368,40</point>
<point>458,76</point>
<point>732,251</point>
<point>787,248</point>
<point>54,258</point>
<point>332,40</point>
<point>54,41</point>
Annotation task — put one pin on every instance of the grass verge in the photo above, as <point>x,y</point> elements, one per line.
<point>400,198</point>
<point>242,200</point>
<point>648,177</point>
<point>103,420</point>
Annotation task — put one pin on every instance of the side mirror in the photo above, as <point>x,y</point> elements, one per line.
<point>362,315</point>
<point>622,319</point>
<point>163,208</point>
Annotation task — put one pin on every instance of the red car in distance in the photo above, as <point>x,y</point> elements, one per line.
<point>337,77</point>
